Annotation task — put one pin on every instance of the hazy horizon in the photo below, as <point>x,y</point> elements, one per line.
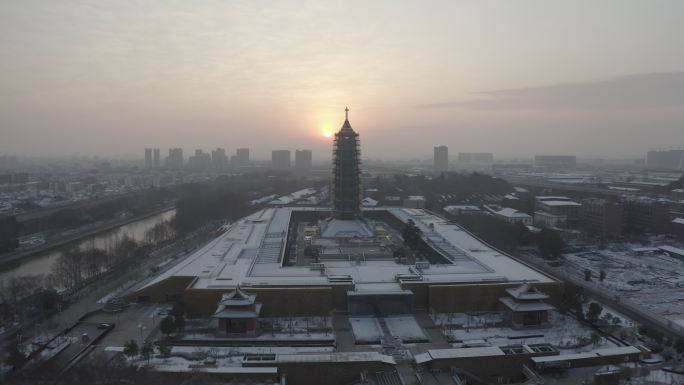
<point>596,80</point>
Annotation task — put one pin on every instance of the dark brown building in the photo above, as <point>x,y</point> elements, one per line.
<point>601,218</point>
<point>646,215</point>
<point>677,227</point>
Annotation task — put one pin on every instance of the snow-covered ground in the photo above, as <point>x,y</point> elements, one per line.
<point>272,329</point>
<point>652,280</point>
<point>483,319</point>
<point>565,333</point>
<point>368,330</point>
<point>216,359</point>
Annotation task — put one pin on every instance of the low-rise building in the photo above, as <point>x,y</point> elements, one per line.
<point>237,313</point>
<point>556,211</point>
<point>526,306</point>
<point>677,227</point>
<point>414,202</point>
<point>646,214</point>
<point>514,216</point>
<point>601,218</point>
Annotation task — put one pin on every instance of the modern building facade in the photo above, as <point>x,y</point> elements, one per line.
<point>466,274</point>
<point>346,183</point>
<point>281,160</point>
<point>441,159</point>
<point>175,159</point>
<point>556,211</point>
<point>601,218</point>
<point>200,161</point>
<point>242,157</point>
<point>219,159</point>
<point>645,214</point>
<point>668,159</point>
<point>303,161</point>
<point>156,159</point>
<point>148,158</point>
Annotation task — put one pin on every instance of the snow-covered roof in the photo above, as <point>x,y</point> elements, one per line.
<point>511,304</point>
<point>445,354</point>
<point>672,250</point>
<point>542,198</point>
<point>236,314</point>
<point>237,297</point>
<point>461,208</point>
<point>250,253</point>
<point>560,203</point>
<point>616,351</point>
<point>237,304</point>
<point>335,357</point>
<point>346,228</point>
<point>512,213</point>
<point>645,249</point>
<point>369,202</point>
<point>526,292</point>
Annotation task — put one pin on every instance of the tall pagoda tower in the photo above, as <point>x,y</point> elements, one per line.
<point>346,184</point>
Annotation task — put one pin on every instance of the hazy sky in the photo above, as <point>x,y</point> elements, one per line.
<point>591,78</point>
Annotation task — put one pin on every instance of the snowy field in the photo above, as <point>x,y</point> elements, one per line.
<point>565,333</point>
<point>654,281</point>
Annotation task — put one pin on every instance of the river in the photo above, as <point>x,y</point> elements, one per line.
<point>42,262</point>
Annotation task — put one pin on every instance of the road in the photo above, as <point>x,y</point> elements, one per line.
<point>87,298</point>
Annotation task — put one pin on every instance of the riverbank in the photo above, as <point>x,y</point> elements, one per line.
<point>9,260</point>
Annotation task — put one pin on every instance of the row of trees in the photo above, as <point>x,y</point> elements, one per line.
<point>458,187</point>
<point>107,209</point>
<point>77,266</point>
<point>508,237</point>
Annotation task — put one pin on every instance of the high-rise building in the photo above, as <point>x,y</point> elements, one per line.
<point>200,161</point>
<point>155,158</point>
<point>280,159</point>
<point>175,159</point>
<point>441,162</point>
<point>148,158</point>
<point>668,159</point>
<point>219,160</point>
<point>242,157</point>
<point>303,161</point>
<point>346,186</point>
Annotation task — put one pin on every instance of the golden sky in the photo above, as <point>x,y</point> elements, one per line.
<point>592,78</point>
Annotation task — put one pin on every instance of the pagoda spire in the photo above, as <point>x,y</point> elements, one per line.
<point>346,119</point>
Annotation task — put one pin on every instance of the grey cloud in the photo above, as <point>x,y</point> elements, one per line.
<point>654,90</point>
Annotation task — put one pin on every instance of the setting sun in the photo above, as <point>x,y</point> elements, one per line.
<point>328,133</point>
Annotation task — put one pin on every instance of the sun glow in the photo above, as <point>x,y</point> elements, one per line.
<point>327,133</point>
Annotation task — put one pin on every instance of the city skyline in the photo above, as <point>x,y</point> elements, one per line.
<point>96,79</point>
